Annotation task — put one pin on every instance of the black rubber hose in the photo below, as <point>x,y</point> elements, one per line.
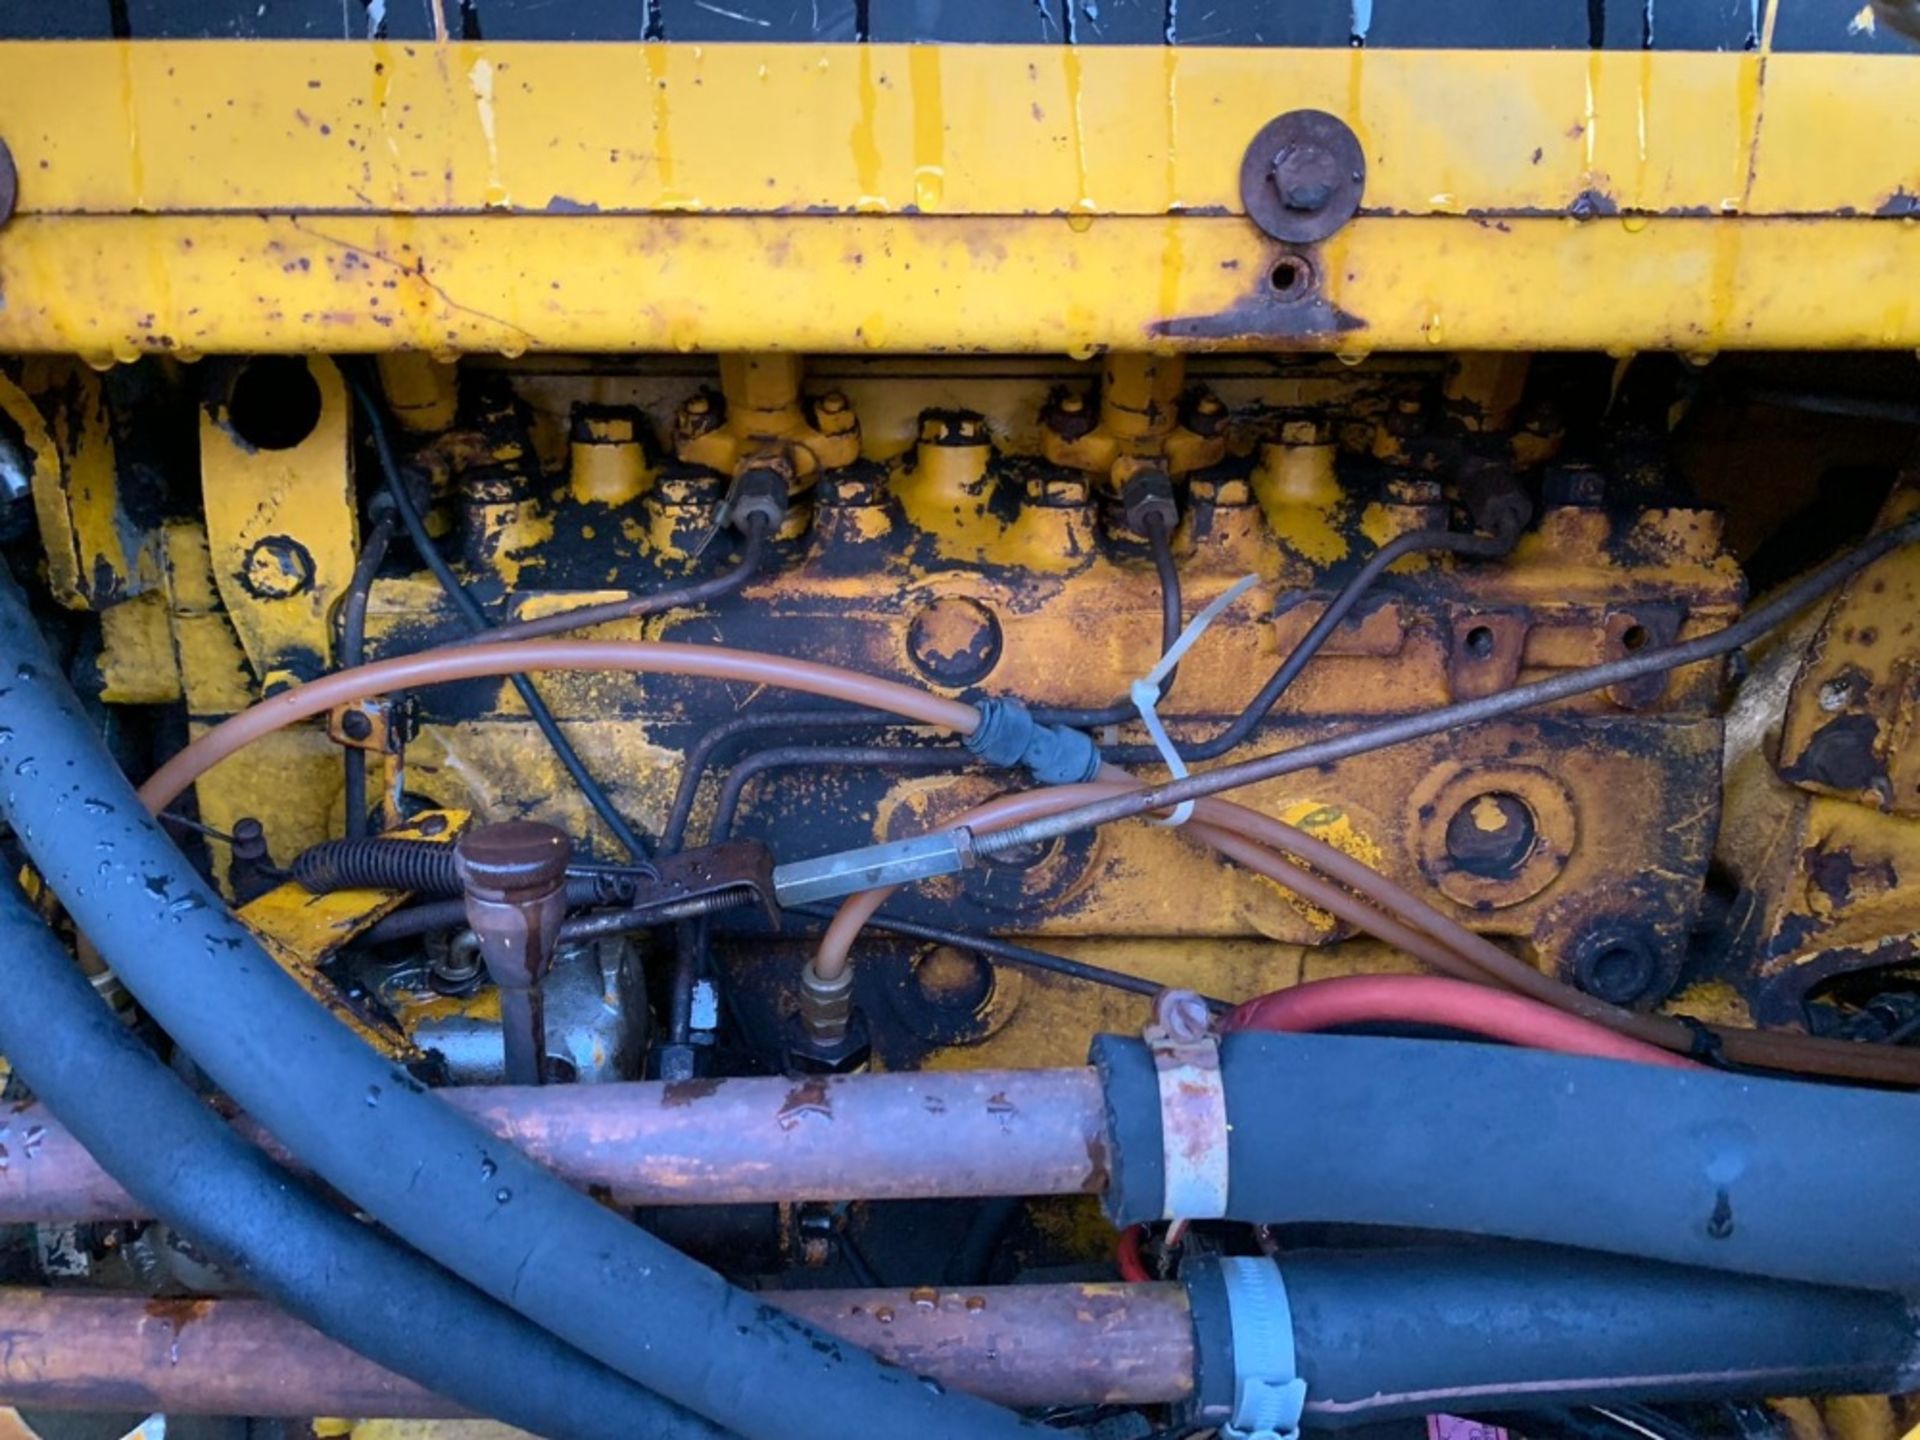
<point>187,1166</point>
<point>1381,1334</point>
<point>1752,626</point>
<point>353,651</point>
<point>372,1132</point>
<point>477,621</point>
<point>1695,1167</point>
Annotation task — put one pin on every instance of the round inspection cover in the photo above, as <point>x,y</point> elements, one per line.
<point>1303,176</point>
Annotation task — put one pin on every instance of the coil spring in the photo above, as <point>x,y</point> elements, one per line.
<point>378,863</point>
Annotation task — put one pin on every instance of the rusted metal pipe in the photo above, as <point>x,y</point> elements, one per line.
<point>923,1135</point>
<point>1019,1345</point>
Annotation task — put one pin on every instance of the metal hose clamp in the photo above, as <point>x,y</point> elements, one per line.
<point>1269,1396</point>
<point>1193,1106</point>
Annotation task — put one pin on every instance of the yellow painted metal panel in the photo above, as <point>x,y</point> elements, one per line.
<point>158,126</point>
<point>108,288</point>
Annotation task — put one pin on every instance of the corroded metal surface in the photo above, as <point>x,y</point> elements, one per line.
<point>1019,1345</point>
<point>736,1141</point>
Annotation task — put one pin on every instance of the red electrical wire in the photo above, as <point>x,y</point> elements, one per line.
<point>1419,1000</point>
<point>1436,1000</point>
<point>1126,1255</point>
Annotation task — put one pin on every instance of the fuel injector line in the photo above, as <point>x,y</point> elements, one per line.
<point>352,1283</point>
<point>477,622</point>
<point>372,1132</point>
<point>703,751</point>
<point>1415,542</point>
<point>353,651</point>
<point>1752,626</point>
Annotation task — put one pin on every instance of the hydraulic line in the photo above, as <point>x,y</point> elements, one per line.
<point>436,667</point>
<point>184,1164</point>
<point>1750,627</point>
<point>680,597</point>
<point>476,620</point>
<point>692,951</point>
<point>353,651</point>
<point>1393,914</point>
<point>1414,542</point>
<point>680,813</point>
<point>368,1128</point>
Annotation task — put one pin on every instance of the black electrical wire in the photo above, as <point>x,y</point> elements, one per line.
<point>1786,603</point>
<point>477,621</point>
<point>371,1131</point>
<point>353,651</point>
<point>1414,542</point>
<point>348,1280</point>
<point>679,597</point>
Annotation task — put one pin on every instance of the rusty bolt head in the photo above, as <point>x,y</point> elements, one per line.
<point>1302,176</point>
<point>1305,176</point>
<point>513,859</point>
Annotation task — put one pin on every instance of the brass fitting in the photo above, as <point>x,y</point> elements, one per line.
<point>826,1007</point>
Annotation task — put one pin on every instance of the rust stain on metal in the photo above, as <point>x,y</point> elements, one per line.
<point>809,1097</point>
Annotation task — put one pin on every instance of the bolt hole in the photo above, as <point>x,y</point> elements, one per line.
<point>1634,637</point>
<point>1479,642</point>
<point>1291,277</point>
<point>275,403</point>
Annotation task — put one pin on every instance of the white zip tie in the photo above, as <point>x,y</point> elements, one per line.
<point>1145,692</point>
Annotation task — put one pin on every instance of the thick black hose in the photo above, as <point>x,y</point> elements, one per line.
<point>1382,1334</point>
<point>372,1132</point>
<point>477,621</point>
<point>187,1166</point>
<point>1756,623</point>
<point>1695,1167</point>
<point>353,651</point>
